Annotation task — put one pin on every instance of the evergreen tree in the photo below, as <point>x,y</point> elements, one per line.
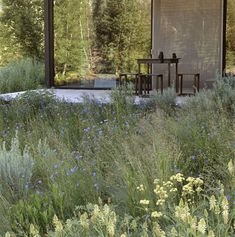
<point>231,35</point>
<point>72,35</point>
<point>123,32</point>
<point>24,23</point>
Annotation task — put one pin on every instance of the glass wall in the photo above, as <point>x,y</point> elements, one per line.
<point>95,40</point>
<point>22,45</point>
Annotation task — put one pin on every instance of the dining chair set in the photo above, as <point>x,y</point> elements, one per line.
<point>143,81</point>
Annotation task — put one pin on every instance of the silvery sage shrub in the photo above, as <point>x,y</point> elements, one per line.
<point>16,168</point>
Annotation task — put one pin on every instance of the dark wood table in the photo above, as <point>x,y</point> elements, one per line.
<point>150,61</point>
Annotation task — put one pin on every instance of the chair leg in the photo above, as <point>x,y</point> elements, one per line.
<point>181,84</point>
<point>195,84</point>
<point>198,82</point>
<point>136,84</point>
<point>161,78</point>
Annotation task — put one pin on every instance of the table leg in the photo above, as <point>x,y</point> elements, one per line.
<point>139,79</point>
<point>169,74</point>
<point>176,78</point>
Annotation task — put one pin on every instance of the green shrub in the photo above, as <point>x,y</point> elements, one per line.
<point>16,170</point>
<point>166,101</point>
<point>21,75</point>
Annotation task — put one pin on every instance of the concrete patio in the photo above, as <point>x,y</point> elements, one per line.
<point>78,96</point>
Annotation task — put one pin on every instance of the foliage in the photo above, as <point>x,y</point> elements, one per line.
<point>24,21</point>
<point>117,25</point>
<point>230,35</point>
<point>20,75</point>
<point>180,208</point>
<point>83,152</point>
<point>73,36</point>
<point>15,171</point>
<point>38,209</point>
<point>166,101</point>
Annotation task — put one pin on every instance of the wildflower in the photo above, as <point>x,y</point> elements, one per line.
<point>225,208</point>
<point>231,167</point>
<point>182,211</point>
<point>56,166</point>
<point>74,169</point>
<point>7,234</point>
<point>87,129</point>
<point>157,230</point>
<point>58,225</point>
<point>160,202</point>
<point>178,177</point>
<point>84,221</point>
<point>202,226</point>
<point>111,229</point>
<point>100,132</point>
<point>217,210</point>
<point>211,234</point>
<point>212,202</point>
<point>174,232</point>
<point>187,189</point>
<point>123,235</point>
<point>94,174</point>
<point>193,157</point>
<point>228,197</point>
<point>156,214</point>
<point>173,190</point>
<point>96,186</point>
<point>198,189</point>
<point>193,222</point>
<point>69,223</point>
<point>140,188</point>
<point>134,225</point>
<point>144,202</point>
<point>156,181</point>
<point>33,231</point>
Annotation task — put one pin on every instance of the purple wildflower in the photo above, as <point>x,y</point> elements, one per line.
<point>228,197</point>
<point>74,169</point>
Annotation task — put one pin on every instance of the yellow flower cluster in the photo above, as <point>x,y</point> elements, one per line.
<point>178,177</point>
<point>140,188</point>
<point>106,217</point>
<point>194,184</point>
<point>156,214</point>
<point>225,209</point>
<point>161,192</point>
<point>144,202</point>
<point>58,225</point>
<point>202,226</point>
<point>182,211</point>
<point>231,168</point>
<point>157,231</point>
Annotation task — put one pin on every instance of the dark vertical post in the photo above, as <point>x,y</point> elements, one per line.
<point>151,30</point>
<point>225,5</point>
<point>49,42</point>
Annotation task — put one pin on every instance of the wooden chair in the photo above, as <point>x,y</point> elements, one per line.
<point>125,78</point>
<point>180,80</point>
<point>145,83</point>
